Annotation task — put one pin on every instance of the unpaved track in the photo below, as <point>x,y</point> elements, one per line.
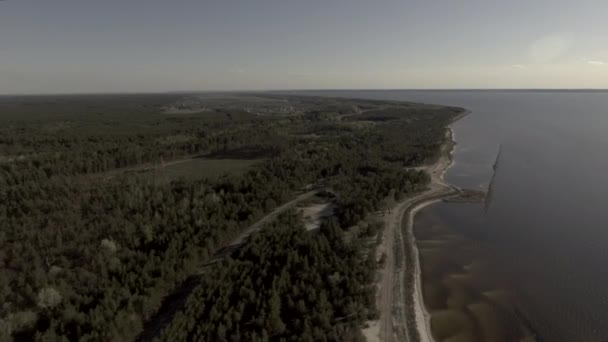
<point>177,299</point>
<point>271,216</point>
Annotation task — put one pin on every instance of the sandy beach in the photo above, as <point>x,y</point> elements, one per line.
<point>403,315</point>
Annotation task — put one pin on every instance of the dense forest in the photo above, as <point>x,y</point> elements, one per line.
<point>284,284</point>
<point>89,248</point>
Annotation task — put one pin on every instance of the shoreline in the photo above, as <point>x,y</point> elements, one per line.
<point>421,315</point>
<point>398,287</point>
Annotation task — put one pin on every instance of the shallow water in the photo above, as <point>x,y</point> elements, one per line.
<point>545,232</point>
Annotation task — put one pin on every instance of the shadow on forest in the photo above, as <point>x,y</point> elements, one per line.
<point>176,301</point>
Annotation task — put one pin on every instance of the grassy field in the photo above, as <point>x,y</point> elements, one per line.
<point>199,168</point>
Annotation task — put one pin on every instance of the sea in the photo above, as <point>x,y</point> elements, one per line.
<point>538,245</point>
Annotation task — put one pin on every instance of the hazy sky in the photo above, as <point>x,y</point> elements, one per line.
<point>55,46</point>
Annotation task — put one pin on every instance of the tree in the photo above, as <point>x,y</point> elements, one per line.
<point>48,298</point>
<point>276,324</point>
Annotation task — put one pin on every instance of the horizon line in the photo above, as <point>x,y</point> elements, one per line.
<point>168,92</point>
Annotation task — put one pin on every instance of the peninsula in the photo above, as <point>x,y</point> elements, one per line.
<point>211,216</point>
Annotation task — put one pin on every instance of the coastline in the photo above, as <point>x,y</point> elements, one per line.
<point>398,287</point>
<point>421,315</point>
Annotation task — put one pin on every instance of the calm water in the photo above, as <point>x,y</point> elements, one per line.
<point>546,228</point>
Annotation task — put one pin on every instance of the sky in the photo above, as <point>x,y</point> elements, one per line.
<point>89,46</point>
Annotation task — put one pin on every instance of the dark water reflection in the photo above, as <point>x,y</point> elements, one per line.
<point>545,232</point>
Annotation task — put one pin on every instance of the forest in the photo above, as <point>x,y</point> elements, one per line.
<point>92,241</point>
<point>284,284</point>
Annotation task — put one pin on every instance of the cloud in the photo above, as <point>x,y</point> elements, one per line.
<point>550,48</point>
<point>518,66</point>
<point>592,62</point>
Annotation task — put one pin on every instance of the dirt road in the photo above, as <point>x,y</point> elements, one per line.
<point>177,299</point>
<point>259,224</point>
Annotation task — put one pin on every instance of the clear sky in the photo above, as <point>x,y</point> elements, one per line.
<point>57,46</point>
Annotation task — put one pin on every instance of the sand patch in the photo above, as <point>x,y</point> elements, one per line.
<point>315,214</point>
<point>372,331</point>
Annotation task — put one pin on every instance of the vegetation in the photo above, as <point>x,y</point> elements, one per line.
<point>285,284</point>
<point>89,248</point>
<point>195,168</point>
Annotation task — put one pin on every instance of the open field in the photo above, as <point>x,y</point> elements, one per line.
<point>199,168</point>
